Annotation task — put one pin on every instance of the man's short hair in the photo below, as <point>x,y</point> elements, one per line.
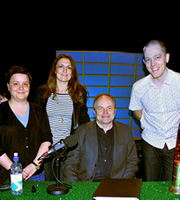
<point>155,42</point>
<point>100,95</point>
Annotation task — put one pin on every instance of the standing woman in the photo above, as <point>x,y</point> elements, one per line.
<point>24,127</point>
<point>64,99</point>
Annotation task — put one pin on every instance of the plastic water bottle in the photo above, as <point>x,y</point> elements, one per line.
<point>16,176</point>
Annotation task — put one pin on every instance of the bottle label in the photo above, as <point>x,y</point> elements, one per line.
<point>16,182</point>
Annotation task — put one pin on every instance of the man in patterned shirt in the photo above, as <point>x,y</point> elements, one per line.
<point>155,100</point>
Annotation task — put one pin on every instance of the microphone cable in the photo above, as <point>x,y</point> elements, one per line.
<point>53,163</point>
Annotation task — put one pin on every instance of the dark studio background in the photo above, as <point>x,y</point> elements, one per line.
<point>32,42</point>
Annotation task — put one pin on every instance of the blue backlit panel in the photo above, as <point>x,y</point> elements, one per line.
<point>91,113</point>
<point>119,80</point>
<point>111,73</point>
<point>135,123</point>
<point>96,69</point>
<point>123,58</point>
<point>120,92</point>
<point>79,68</point>
<point>99,57</point>
<point>122,70</point>
<point>77,56</point>
<point>94,91</point>
<point>139,59</point>
<point>96,80</point>
<point>141,71</point>
<point>90,102</point>
<point>81,79</point>
<point>124,113</point>
<point>122,103</point>
<point>136,133</point>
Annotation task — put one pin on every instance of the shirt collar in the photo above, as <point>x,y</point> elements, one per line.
<point>98,128</point>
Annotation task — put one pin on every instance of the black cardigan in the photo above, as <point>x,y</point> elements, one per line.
<point>14,137</point>
<point>80,112</point>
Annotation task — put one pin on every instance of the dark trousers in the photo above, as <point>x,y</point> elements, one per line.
<point>158,163</point>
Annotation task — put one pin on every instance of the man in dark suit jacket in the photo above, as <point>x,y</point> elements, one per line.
<point>106,148</point>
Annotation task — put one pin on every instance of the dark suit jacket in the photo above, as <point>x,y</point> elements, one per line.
<point>81,163</point>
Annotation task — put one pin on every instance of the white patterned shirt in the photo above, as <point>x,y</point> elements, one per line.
<point>160,109</point>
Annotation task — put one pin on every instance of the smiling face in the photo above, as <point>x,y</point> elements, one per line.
<point>19,87</point>
<point>63,70</point>
<point>104,110</point>
<point>155,60</point>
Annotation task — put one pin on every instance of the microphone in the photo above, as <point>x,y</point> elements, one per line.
<point>68,142</point>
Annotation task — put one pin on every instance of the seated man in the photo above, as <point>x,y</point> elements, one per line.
<point>106,148</point>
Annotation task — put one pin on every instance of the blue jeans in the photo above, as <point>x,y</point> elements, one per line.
<point>38,177</point>
<point>158,163</point>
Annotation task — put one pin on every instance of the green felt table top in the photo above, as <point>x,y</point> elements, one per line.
<point>85,190</point>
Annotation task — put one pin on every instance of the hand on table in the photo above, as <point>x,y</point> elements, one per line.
<point>28,171</point>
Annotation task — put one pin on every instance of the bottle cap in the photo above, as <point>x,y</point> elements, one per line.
<point>15,158</point>
<point>15,154</point>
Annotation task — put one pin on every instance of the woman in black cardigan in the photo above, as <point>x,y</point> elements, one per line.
<point>64,99</point>
<point>24,127</point>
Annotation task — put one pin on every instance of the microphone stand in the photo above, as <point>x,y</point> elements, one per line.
<point>59,188</point>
